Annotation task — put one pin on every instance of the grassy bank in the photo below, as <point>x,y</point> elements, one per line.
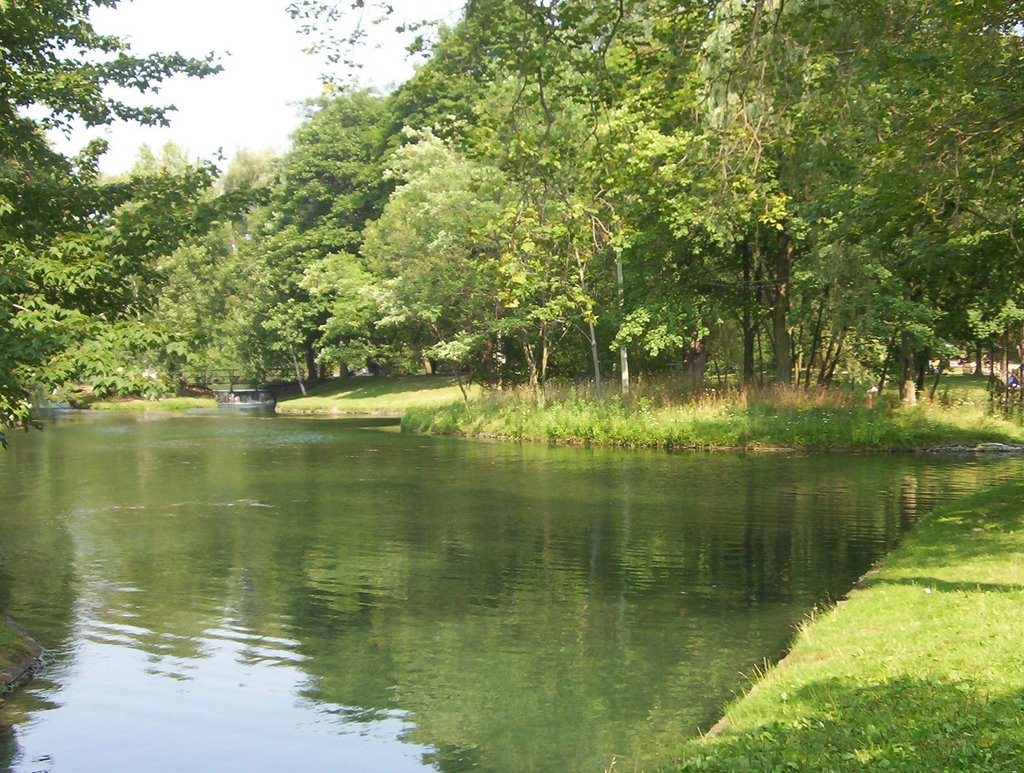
<point>768,419</point>
<point>922,668</point>
<point>393,396</point>
<point>166,404</point>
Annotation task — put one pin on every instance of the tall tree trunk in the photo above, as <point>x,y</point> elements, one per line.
<point>816,339</point>
<point>311,367</point>
<point>831,372</point>
<point>598,387</point>
<point>749,326</point>
<point>298,373</point>
<point>623,354</point>
<point>695,363</point>
<point>780,312</point>
<point>760,357</point>
<point>830,361</point>
<point>885,363</point>
<point>531,364</point>
<point>921,368</point>
<point>543,359</point>
<point>1006,355</point>
<point>908,386</point>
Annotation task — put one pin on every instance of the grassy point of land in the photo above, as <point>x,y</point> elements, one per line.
<point>164,404</point>
<point>779,418</point>
<point>922,669</point>
<point>391,396</point>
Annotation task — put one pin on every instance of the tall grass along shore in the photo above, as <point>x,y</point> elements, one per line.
<point>774,418</point>
<point>921,669</point>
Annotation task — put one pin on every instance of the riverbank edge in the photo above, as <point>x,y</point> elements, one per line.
<point>163,404</point>
<point>954,449</point>
<point>21,659</point>
<point>786,421</point>
<point>383,414</point>
<point>917,668</point>
<point>948,449</point>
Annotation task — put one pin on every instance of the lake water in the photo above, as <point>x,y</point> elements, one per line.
<point>232,592</point>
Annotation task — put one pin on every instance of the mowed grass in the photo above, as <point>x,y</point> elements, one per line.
<point>962,387</point>
<point>922,669</point>
<point>763,419</point>
<point>393,396</point>
<point>165,404</point>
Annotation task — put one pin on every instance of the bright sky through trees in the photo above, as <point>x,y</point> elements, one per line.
<point>255,102</point>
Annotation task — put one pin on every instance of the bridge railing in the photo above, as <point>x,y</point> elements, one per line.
<point>214,378</point>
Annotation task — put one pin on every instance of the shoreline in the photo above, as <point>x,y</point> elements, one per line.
<point>342,412</point>
<point>958,449</point>
<point>784,421</point>
<point>916,668</point>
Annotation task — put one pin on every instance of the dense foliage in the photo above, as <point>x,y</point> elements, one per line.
<point>78,257</point>
<point>788,191</point>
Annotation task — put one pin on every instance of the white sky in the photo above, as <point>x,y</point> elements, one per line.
<point>255,102</point>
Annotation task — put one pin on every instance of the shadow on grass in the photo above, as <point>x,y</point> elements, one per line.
<point>988,523</point>
<point>903,724</point>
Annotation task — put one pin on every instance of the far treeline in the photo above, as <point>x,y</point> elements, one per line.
<point>784,190</point>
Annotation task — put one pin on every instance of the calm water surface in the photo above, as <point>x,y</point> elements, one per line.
<point>254,593</point>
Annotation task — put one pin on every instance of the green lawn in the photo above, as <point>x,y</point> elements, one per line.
<point>922,669</point>
<point>960,389</point>
<point>376,395</point>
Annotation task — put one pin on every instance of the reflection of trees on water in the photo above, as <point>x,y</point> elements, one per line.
<point>578,599</point>
<point>8,743</point>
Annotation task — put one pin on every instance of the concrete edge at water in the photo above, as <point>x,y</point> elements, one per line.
<point>22,668</point>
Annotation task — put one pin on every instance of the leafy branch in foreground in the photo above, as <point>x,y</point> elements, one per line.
<point>62,274</point>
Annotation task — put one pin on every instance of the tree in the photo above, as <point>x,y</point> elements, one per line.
<point>436,251</point>
<point>332,184</point>
<point>57,279</point>
<point>208,285</point>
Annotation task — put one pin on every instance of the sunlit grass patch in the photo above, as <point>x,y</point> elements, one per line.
<point>164,404</point>
<point>376,395</point>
